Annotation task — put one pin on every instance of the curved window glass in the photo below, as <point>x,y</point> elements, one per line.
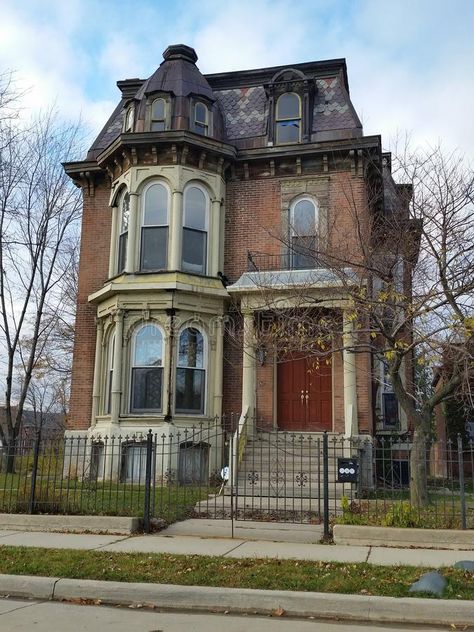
<point>288,119</point>
<point>201,119</point>
<point>128,125</point>
<point>303,224</point>
<point>190,372</point>
<point>154,233</point>
<point>195,221</point>
<point>147,370</point>
<point>124,209</point>
<point>158,115</point>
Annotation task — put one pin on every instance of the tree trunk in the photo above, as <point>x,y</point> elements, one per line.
<point>419,469</point>
<point>9,456</point>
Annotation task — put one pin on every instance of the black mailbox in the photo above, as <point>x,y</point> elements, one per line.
<point>347,470</point>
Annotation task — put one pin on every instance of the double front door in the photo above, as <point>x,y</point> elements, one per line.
<point>304,395</point>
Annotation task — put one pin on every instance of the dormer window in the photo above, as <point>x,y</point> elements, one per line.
<point>158,115</point>
<point>288,119</point>
<point>201,119</point>
<point>128,124</point>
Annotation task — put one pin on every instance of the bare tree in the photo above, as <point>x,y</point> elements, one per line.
<point>39,215</point>
<point>405,263</point>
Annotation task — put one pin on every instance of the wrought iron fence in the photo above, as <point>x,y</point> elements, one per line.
<point>229,469</point>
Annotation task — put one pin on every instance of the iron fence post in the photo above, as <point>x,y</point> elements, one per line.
<point>326,485</point>
<point>34,472</point>
<point>149,460</point>
<point>461,483</point>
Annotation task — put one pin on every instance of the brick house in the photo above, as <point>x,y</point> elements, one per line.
<point>203,196</point>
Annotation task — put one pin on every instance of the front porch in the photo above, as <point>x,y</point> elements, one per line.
<point>302,382</point>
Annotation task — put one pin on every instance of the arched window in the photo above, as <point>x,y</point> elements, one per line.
<point>109,374</point>
<point>288,119</point>
<point>303,225</point>
<point>195,226</point>
<point>190,372</point>
<point>154,234</point>
<point>147,370</point>
<point>128,123</point>
<point>124,210</point>
<point>158,115</point>
<point>201,119</point>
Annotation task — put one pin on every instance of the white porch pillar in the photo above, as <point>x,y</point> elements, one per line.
<point>249,367</point>
<point>113,243</point>
<point>97,371</point>
<point>130,263</point>
<point>351,422</point>
<point>218,363</point>
<point>214,237</point>
<point>176,231</point>
<point>117,369</point>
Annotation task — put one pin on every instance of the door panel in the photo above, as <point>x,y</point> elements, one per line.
<point>304,395</point>
<point>291,382</point>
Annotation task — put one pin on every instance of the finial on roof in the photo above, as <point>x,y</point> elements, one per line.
<point>180,51</point>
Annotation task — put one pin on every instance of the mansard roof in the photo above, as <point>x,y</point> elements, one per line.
<point>240,99</point>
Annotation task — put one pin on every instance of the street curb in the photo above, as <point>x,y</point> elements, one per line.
<point>244,600</point>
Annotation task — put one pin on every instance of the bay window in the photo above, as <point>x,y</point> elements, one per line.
<point>190,372</point>
<point>124,210</point>
<point>147,370</point>
<point>195,226</point>
<point>154,232</point>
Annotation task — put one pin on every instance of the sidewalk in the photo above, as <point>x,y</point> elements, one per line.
<point>253,540</point>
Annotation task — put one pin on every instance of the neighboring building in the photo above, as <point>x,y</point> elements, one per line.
<point>50,425</point>
<point>202,196</point>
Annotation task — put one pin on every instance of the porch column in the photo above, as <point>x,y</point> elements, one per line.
<point>113,243</point>
<point>249,367</point>
<point>130,264</point>
<point>117,369</point>
<point>176,231</point>
<point>214,238</point>
<point>97,371</point>
<point>351,424</point>
<point>218,365</point>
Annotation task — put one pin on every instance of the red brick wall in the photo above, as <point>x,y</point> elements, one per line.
<point>93,271</point>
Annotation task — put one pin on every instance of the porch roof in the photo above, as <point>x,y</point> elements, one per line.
<point>291,279</point>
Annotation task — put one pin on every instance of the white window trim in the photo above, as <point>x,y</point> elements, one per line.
<point>203,332</point>
<point>208,118</point>
<point>130,111</point>
<point>120,232</point>
<point>109,371</point>
<point>199,186</point>
<point>143,193</point>
<point>294,202</point>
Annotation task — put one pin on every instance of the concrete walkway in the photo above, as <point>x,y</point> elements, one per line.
<point>255,541</point>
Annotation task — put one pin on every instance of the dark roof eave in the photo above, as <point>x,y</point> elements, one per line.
<point>277,151</point>
<point>168,137</point>
<point>260,76</point>
<point>81,166</point>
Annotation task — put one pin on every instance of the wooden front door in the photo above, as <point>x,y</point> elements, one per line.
<point>304,395</point>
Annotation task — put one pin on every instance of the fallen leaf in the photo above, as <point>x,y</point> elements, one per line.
<point>279,612</point>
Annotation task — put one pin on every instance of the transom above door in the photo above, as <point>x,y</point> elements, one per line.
<point>304,395</point>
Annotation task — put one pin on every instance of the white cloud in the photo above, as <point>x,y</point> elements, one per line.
<point>409,63</point>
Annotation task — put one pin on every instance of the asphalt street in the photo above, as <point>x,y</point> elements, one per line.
<point>47,616</point>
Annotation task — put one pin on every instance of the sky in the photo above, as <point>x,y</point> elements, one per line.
<point>409,61</point>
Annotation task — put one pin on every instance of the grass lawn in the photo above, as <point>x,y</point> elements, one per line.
<point>112,499</point>
<point>216,571</point>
